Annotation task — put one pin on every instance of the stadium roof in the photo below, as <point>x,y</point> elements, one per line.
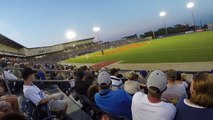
<point>9,42</point>
<point>65,43</point>
<point>78,40</point>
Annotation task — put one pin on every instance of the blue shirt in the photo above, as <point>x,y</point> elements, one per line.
<point>41,75</point>
<point>117,102</point>
<point>186,112</point>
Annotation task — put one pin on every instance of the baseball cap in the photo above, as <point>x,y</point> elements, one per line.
<point>104,78</point>
<point>27,72</point>
<point>114,70</point>
<point>157,79</point>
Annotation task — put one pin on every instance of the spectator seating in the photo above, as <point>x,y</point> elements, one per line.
<point>35,112</point>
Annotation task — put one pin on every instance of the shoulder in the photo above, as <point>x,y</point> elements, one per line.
<point>180,86</point>
<point>170,107</point>
<point>97,97</point>
<point>138,95</point>
<point>115,78</point>
<point>121,93</point>
<point>28,89</point>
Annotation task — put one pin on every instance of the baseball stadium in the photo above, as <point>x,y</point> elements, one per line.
<point>93,60</point>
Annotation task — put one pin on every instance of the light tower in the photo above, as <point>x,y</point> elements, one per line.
<point>190,5</point>
<point>163,14</point>
<point>97,29</point>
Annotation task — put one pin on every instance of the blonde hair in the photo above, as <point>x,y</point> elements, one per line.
<point>203,92</point>
<point>130,75</point>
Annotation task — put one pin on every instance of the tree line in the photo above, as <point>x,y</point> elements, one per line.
<point>178,28</point>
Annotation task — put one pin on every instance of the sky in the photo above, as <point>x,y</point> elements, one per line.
<point>35,23</point>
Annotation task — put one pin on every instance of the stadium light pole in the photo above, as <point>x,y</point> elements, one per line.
<point>70,35</point>
<point>163,14</point>
<point>190,5</point>
<point>97,29</point>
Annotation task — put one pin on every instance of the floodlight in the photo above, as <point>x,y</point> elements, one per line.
<point>162,14</point>
<point>96,29</point>
<point>190,5</point>
<point>70,35</point>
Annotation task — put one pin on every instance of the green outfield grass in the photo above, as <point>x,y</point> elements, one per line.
<point>194,47</point>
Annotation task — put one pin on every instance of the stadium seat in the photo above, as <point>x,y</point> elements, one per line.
<point>36,112</point>
<point>66,88</point>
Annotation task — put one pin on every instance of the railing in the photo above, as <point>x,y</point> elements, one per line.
<point>6,81</point>
<point>49,81</point>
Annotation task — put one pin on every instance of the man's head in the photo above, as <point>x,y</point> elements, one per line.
<point>80,74</point>
<point>179,77</point>
<point>114,71</point>
<point>171,75</point>
<point>104,80</point>
<point>5,107</point>
<point>28,74</point>
<point>16,65</point>
<point>156,83</point>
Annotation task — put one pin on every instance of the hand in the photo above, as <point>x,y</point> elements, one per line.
<point>143,85</point>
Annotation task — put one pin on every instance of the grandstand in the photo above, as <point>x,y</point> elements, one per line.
<point>10,47</point>
<point>59,52</point>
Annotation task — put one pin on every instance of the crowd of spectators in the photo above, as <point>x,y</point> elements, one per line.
<point>155,95</point>
<point>80,49</point>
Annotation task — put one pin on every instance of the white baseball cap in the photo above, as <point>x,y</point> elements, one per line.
<point>104,78</point>
<point>157,79</point>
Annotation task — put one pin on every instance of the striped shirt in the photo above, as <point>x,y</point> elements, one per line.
<point>116,83</point>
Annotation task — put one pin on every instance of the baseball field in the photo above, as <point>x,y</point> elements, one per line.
<point>195,47</point>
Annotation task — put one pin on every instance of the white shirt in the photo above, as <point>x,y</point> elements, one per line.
<point>9,75</point>
<point>142,109</point>
<point>33,93</point>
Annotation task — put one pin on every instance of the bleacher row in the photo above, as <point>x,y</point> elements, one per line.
<point>78,87</point>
